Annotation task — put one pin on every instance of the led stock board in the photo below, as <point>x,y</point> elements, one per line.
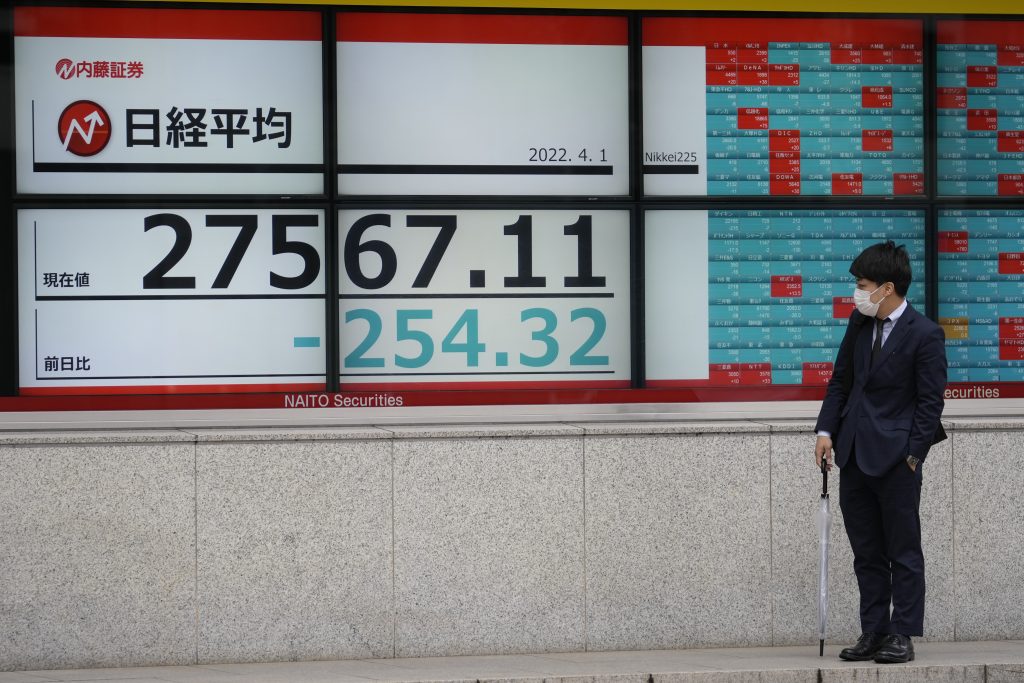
<point>488,298</point>
<point>458,104</point>
<point>749,298</point>
<point>783,107</point>
<point>156,101</point>
<point>980,108</point>
<point>521,201</point>
<point>171,300</point>
<point>981,294</point>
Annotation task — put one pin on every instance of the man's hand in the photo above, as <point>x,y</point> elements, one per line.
<point>823,450</point>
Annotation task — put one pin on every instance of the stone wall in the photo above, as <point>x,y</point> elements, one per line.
<point>176,546</point>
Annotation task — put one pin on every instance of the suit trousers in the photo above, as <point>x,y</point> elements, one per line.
<point>882,520</point>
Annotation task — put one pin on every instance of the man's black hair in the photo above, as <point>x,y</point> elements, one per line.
<point>884,262</point>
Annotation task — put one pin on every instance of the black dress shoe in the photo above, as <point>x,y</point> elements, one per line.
<point>896,649</point>
<point>865,649</point>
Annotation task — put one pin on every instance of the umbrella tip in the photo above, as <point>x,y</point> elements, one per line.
<point>821,648</point>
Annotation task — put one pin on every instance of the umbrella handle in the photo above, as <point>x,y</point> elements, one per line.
<point>824,474</point>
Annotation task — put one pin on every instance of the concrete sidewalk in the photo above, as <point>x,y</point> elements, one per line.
<point>968,662</point>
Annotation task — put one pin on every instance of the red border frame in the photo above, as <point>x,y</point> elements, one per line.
<point>510,29</point>
<point>508,397</point>
<point>133,22</point>
<point>701,31</point>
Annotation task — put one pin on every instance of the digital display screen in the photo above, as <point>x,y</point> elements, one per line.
<point>980,106</point>
<point>759,297</point>
<point>981,294</point>
<point>469,205</point>
<point>459,104</point>
<point>483,299</point>
<point>162,101</point>
<point>171,300</point>
<point>782,107</point>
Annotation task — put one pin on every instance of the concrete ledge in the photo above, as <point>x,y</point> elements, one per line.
<point>246,435</point>
<point>635,428</point>
<point>977,662</point>
<point>483,431</point>
<point>41,438</point>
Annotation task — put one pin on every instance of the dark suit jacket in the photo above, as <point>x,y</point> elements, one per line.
<point>893,407</point>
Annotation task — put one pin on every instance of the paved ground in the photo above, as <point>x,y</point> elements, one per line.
<point>980,662</point>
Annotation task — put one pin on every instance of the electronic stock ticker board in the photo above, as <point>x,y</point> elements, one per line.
<point>448,275</point>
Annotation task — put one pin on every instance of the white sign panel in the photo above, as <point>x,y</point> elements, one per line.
<point>676,304</point>
<point>449,104</point>
<point>162,101</point>
<point>483,299</point>
<point>162,300</point>
<point>675,123</point>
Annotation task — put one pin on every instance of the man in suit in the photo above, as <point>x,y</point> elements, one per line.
<point>880,415</point>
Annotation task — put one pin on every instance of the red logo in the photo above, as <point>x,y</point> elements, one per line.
<point>99,68</point>
<point>84,128</point>
<point>65,69</point>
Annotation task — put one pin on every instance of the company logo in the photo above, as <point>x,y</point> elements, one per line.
<point>68,69</point>
<point>65,69</point>
<point>84,128</point>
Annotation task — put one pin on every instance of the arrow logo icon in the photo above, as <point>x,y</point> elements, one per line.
<point>94,120</point>
<point>84,128</point>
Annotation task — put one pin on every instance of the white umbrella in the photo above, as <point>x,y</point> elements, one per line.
<point>824,525</point>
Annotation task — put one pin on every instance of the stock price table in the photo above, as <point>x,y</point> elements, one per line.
<point>981,108</point>
<point>779,290</point>
<point>981,294</point>
<point>790,107</point>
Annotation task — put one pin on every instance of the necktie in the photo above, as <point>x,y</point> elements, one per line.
<point>876,348</point>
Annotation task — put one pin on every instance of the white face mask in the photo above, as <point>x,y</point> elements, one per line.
<point>864,304</point>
